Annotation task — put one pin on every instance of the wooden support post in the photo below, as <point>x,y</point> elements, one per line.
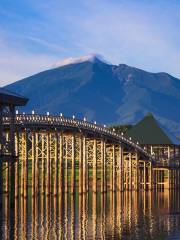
<point>56,166</point>
<point>80,164</point>
<point>172,178</point>
<point>66,167</point>
<point>73,177</point>
<point>114,169</point>
<point>84,166</point>
<point>119,169</point>
<point>22,162</point>
<point>12,150</point>
<point>7,177</point>
<point>43,164</point>
<point>112,172</point>
<point>136,187</point>
<point>103,166</point>
<point>50,161</point>
<point>80,218</point>
<point>150,177</point>
<point>61,165</point>
<point>48,166</point>
<point>94,216</point>
<point>94,187</point>
<point>122,169</point>
<point>144,175</point>
<point>73,217</point>
<point>175,179</point>
<point>33,163</point>
<point>17,165</point>
<point>37,164</point>
<point>168,179</point>
<point>25,164</point>
<point>130,172</point>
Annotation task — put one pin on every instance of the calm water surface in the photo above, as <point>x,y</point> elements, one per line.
<point>143,215</point>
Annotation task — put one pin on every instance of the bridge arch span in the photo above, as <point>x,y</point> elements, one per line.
<point>58,153</point>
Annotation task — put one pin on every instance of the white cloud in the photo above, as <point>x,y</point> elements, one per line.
<point>16,64</point>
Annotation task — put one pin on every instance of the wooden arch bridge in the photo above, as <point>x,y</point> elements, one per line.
<point>58,154</point>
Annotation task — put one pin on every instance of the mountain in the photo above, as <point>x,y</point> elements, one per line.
<point>89,86</point>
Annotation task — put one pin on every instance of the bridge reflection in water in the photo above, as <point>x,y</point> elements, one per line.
<point>127,215</point>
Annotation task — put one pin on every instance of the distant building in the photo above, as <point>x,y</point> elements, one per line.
<point>157,140</point>
<point>8,102</point>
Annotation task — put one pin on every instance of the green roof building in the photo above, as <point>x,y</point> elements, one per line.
<point>150,131</point>
<point>156,139</point>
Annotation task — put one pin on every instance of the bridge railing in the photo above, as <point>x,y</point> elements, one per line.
<point>23,119</point>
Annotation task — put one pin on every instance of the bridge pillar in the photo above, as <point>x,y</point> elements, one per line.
<point>130,172</point>
<point>119,170</point>
<point>17,165</point>
<point>22,164</point>
<point>144,175</point>
<point>103,167</point>
<point>61,165</point>
<point>94,187</point>
<point>66,167</point>
<point>25,164</point>
<point>7,170</point>
<point>85,174</point>
<point>12,150</point>
<point>43,164</point>
<point>7,166</point>
<point>136,180</point>
<point>56,165</point>
<point>114,169</point>
<point>94,216</point>
<point>48,165</point>
<point>33,163</point>
<point>80,164</point>
<point>73,177</point>
<point>36,163</point>
<point>150,176</point>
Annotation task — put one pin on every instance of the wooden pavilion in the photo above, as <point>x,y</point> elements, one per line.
<point>165,147</point>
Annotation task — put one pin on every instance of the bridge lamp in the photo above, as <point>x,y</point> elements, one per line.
<point>33,112</point>
<point>73,117</point>
<point>47,113</point>
<point>137,143</point>
<point>104,126</point>
<point>95,122</point>
<point>84,119</point>
<point>113,129</point>
<point>61,114</point>
<point>17,112</point>
<point>122,133</point>
<point>23,113</point>
<point>130,138</point>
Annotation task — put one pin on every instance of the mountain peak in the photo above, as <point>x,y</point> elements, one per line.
<point>75,60</point>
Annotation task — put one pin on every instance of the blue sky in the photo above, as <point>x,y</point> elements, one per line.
<point>35,34</point>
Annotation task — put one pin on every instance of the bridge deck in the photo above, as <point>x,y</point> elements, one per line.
<point>58,122</point>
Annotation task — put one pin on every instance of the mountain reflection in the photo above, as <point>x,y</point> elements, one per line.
<point>128,215</point>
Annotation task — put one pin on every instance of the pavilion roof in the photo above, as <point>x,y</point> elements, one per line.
<point>8,97</point>
<point>152,132</point>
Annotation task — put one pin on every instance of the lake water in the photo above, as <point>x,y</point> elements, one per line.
<point>128,215</point>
